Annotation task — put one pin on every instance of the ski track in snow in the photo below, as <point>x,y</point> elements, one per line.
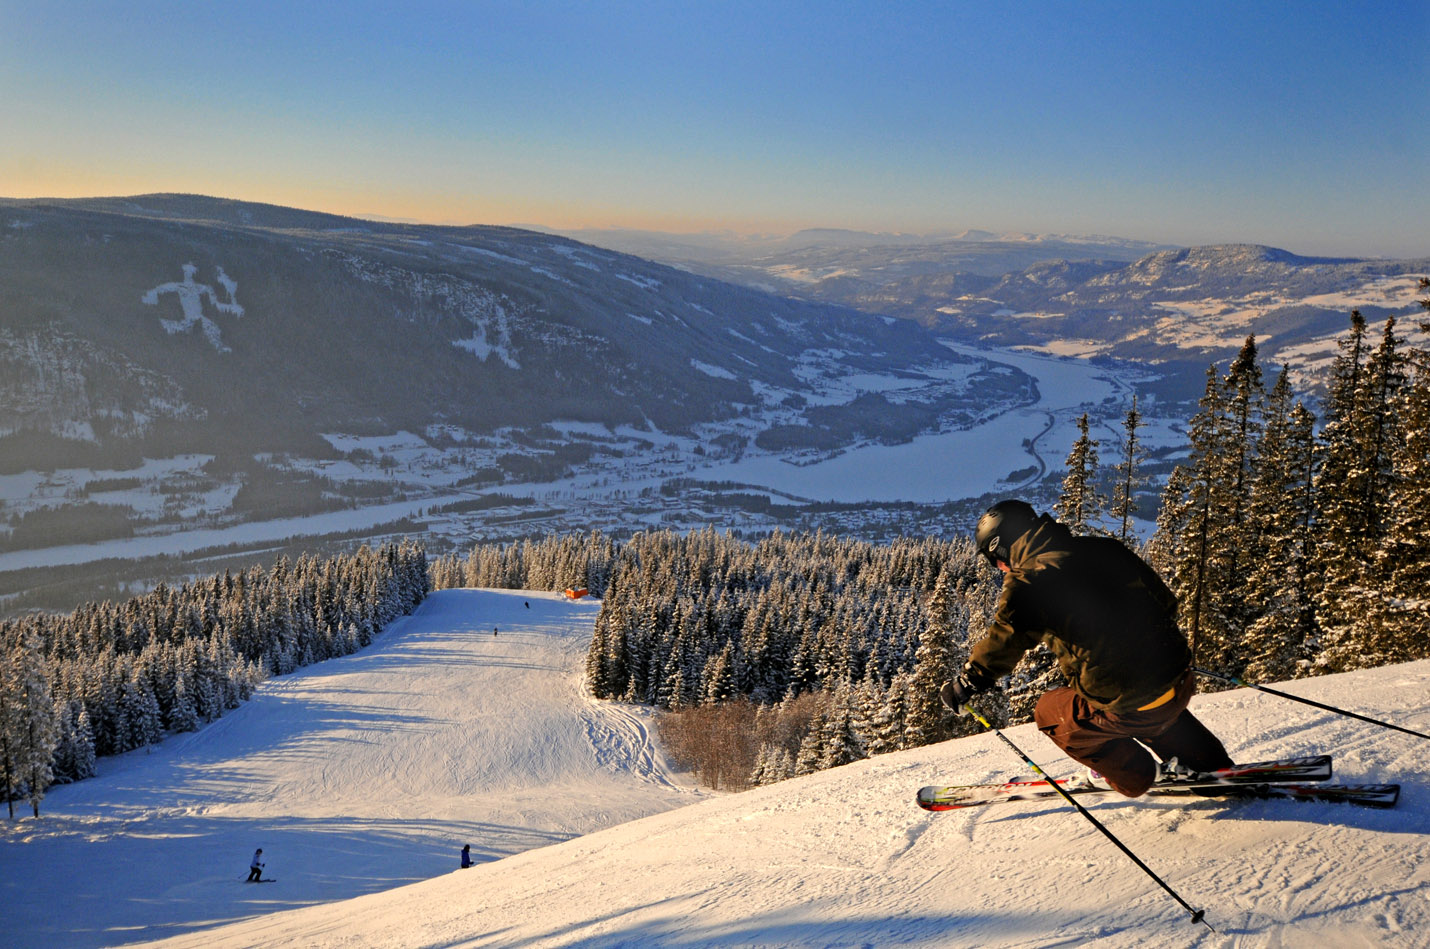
<point>355,775</point>
<point>362,775</point>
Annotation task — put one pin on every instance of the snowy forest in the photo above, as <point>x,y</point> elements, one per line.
<point>109,678</point>
<point>1296,545</point>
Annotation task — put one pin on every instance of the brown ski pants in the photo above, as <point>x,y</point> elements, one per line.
<point>1111,743</point>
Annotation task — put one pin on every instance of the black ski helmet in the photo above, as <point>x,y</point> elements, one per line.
<point>1002,524</point>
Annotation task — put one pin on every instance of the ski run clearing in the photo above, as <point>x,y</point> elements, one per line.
<point>466,722</point>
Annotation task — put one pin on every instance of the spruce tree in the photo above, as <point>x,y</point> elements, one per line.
<point>1079,507</point>
<point>1126,479</point>
<point>1189,550</point>
<point>11,721</point>
<point>1281,510</point>
<point>1363,439</point>
<point>1406,597</point>
<point>35,727</point>
<point>934,664</point>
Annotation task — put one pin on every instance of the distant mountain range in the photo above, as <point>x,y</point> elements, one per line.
<point>1076,295</point>
<point>170,323</point>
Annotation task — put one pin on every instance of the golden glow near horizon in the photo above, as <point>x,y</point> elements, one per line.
<point>1163,122</point>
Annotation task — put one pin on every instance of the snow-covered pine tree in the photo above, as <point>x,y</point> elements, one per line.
<point>32,715</point>
<point>11,720</point>
<point>839,744</point>
<point>1188,549</point>
<point>718,677</point>
<point>811,747</point>
<point>183,717</point>
<point>1281,510</point>
<point>889,720</point>
<point>934,664</point>
<point>1244,399</point>
<point>1126,479</point>
<point>1407,545</point>
<point>1079,506</point>
<point>1363,437</point>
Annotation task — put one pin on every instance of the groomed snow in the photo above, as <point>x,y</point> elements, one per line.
<point>360,774</point>
<point>354,776</point>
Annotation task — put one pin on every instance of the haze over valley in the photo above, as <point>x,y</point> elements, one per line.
<point>186,374</point>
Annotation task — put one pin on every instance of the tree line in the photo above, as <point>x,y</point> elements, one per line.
<point>1300,546</point>
<point>1296,547</point>
<point>112,677</point>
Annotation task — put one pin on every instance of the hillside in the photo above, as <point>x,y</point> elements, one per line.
<point>354,777</point>
<point>168,323</point>
<point>366,773</point>
<point>1173,307</point>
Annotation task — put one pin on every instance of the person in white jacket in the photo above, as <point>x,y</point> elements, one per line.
<point>255,867</point>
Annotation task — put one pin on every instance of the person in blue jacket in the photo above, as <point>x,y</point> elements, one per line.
<point>466,856</point>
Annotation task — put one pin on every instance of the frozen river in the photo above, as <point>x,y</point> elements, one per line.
<point>958,464</point>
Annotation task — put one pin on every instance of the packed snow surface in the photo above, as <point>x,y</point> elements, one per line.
<point>362,777</point>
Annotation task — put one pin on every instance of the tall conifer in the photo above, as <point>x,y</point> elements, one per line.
<point>1126,480</point>
<point>1079,507</point>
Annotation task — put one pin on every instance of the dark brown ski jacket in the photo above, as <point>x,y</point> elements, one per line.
<point>1105,614</point>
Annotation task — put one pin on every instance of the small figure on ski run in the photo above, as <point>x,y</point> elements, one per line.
<point>466,856</point>
<point>255,867</point>
<point>1112,625</point>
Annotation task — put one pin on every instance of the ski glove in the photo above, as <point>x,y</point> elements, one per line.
<point>956,692</point>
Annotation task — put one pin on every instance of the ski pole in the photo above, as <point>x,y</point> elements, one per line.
<point>1198,915</point>
<point>1296,698</point>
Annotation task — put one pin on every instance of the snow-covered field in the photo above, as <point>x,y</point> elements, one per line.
<point>367,773</point>
<point>933,468</point>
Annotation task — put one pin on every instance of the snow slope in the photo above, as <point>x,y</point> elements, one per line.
<point>841,858</point>
<point>354,775</point>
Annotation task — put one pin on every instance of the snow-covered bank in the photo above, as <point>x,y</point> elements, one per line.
<point>844,858</point>
<point>354,776</point>
<point>352,782</point>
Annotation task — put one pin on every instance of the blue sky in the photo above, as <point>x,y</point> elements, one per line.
<point>1302,125</point>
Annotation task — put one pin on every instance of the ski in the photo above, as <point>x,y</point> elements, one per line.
<point>1280,771</point>
<point>1366,795</point>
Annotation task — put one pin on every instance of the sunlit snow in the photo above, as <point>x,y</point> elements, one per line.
<point>362,777</point>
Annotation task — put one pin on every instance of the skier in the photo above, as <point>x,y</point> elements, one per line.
<point>1111,623</point>
<point>255,867</point>
<point>466,856</point>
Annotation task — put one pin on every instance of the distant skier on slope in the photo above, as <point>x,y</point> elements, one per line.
<point>466,856</point>
<point>1111,623</point>
<point>255,867</point>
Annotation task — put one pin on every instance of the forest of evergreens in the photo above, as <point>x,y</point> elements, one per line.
<point>1296,546</point>
<point>110,677</point>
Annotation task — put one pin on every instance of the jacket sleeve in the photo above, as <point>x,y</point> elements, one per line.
<point>1008,637</point>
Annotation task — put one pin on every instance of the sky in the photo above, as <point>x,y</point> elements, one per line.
<point>1297,125</point>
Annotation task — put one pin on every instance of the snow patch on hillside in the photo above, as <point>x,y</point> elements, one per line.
<point>191,296</point>
<point>717,372</point>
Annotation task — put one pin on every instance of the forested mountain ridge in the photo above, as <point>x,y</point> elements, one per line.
<point>169,323</point>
